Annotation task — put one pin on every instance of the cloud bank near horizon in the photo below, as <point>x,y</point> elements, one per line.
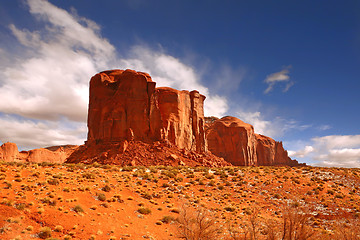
<point>331,151</point>
<point>48,83</point>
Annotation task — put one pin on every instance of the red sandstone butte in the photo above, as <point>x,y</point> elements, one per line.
<point>236,142</point>
<point>233,140</point>
<point>126,103</point>
<point>9,153</point>
<point>131,122</point>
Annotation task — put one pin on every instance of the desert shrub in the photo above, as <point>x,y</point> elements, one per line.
<point>197,224</point>
<point>78,209</point>
<point>101,197</point>
<point>20,206</point>
<point>88,175</point>
<point>249,229</point>
<point>229,209</point>
<point>146,195</point>
<point>29,228</point>
<point>295,224</point>
<point>175,210</point>
<point>106,188</point>
<point>211,183</point>
<point>58,228</point>
<point>53,181</point>
<point>7,185</point>
<point>349,230</point>
<point>167,219</point>
<point>45,232</point>
<point>144,211</point>
<point>127,168</point>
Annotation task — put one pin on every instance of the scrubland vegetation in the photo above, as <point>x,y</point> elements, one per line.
<point>77,201</point>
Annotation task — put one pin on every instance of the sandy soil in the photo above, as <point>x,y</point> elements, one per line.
<point>78,201</point>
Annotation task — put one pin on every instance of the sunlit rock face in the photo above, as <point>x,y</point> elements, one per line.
<point>126,104</point>
<point>236,142</point>
<point>233,140</point>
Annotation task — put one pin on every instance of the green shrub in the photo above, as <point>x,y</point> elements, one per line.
<point>45,232</point>
<point>167,219</point>
<point>101,197</point>
<point>230,209</point>
<point>53,181</point>
<point>106,188</point>
<point>78,209</point>
<point>144,211</point>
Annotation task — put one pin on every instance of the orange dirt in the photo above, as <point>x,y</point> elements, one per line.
<point>41,195</point>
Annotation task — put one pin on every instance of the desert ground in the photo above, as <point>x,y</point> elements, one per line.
<point>79,201</point>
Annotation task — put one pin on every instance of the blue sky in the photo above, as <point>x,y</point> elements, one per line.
<point>290,68</point>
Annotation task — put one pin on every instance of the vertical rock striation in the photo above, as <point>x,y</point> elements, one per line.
<point>236,142</point>
<point>233,140</point>
<point>123,102</point>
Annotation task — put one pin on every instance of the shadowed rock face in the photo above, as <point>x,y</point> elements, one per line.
<point>236,142</point>
<point>126,104</point>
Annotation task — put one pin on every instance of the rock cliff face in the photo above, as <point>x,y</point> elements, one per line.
<point>125,105</point>
<point>131,122</point>
<point>9,153</point>
<point>236,142</point>
<point>233,140</point>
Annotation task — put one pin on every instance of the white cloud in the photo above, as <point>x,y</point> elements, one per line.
<point>324,127</point>
<point>169,71</point>
<point>276,127</point>
<point>277,77</point>
<point>302,153</point>
<point>29,134</point>
<point>53,82</point>
<point>332,151</point>
<point>47,84</point>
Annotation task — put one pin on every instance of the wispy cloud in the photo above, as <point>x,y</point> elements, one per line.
<point>276,127</point>
<point>169,71</point>
<point>332,150</point>
<point>278,77</point>
<point>47,84</point>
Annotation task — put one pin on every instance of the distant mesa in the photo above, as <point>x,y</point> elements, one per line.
<point>131,122</point>
<point>57,154</point>
<point>236,142</point>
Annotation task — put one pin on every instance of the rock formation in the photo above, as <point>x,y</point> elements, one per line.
<point>131,122</point>
<point>236,142</point>
<point>126,103</point>
<point>9,152</point>
<point>233,140</point>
